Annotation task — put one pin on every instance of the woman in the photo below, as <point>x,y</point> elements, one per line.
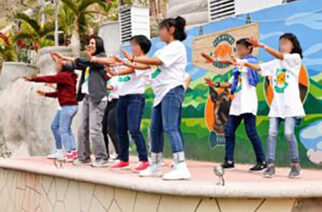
<point>92,91</point>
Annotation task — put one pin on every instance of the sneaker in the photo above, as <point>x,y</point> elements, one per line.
<point>69,156</point>
<point>100,163</point>
<point>269,172</point>
<point>85,162</point>
<point>228,165</point>
<point>295,172</point>
<point>121,165</point>
<point>154,170</point>
<point>75,154</point>
<point>55,154</point>
<point>142,165</point>
<point>260,166</point>
<point>179,172</point>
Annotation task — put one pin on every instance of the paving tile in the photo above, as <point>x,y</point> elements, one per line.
<point>61,187</point>
<point>104,195</point>
<point>277,205</point>
<point>72,200</point>
<point>183,204</point>
<point>86,191</point>
<point>208,204</point>
<point>96,206</point>
<point>146,202</point>
<point>114,207</point>
<point>125,199</point>
<point>238,205</point>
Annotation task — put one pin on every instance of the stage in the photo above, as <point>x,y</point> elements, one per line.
<point>35,184</point>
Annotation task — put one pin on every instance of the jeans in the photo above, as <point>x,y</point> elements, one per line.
<point>109,127</point>
<point>250,125</point>
<point>90,130</point>
<point>274,124</point>
<point>129,115</point>
<point>166,118</point>
<point>61,127</point>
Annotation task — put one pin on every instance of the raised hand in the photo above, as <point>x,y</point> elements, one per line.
<point>255,43</point>
<point>210,83</point>
<point>110,71</point>
<point>41,93</point>
<point>27,78</point>
<point>209,59</point>
<point>109,87</point>
<point>128,55</point>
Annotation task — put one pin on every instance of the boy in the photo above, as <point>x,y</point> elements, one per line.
<point>243,107</point>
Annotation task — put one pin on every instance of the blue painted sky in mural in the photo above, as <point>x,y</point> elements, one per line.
<point>303,18</point>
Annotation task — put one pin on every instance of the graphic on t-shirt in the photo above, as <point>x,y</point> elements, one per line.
<point>86,78</point>
<point>239,87</point>
<point>156,72</point>
<point>124,78</point>
<point>280,80</point>
<point>303,86</point>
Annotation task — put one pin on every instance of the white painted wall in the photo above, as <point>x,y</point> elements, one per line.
<point>247,6</point>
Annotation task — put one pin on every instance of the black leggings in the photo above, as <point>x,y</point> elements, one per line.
<point>109,126</point>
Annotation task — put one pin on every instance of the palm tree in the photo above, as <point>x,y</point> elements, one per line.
<point>80,10</point>
<point>34,32</point>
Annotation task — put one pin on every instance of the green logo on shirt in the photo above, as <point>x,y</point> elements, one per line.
<point>124,78</point>
<point>156,73</point>
<point>280,80</point>
<point>239,87</point>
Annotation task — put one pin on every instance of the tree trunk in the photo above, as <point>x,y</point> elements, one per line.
<point>75,40</point>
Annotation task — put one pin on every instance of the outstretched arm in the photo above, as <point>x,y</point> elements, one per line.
<point>270,50</point>
<point>58,55</point>
<point>210,83</point>
<point>137,66</point>
<point>142,59</point>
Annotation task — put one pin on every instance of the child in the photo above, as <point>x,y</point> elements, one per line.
<point>168,85</point>
<point>244,106</point>
<point>66,81</point>
<point>92,91</point>
<point>286,105</point>
<point>109,120</point>
<point>130,88</point>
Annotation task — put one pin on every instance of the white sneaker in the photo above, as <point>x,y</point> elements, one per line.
<point>54,155</point>
<point>180,171</point>
<point>154,170</point>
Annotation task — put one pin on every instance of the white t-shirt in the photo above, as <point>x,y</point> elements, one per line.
<point>172,71</point>
<point>134,83</point>
<point>285,83</point>
<point>113,93</point>
<point>245,100</point>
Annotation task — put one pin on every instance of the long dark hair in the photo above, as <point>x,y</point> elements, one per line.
<point>99,44</point>
<point>296,43</point>
<point>179,25</point>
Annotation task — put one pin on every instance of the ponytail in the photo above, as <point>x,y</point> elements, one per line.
<point>179,25</point>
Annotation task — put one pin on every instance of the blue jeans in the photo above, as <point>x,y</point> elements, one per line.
<point>274,124</point>
<point>55,130</point>
<point>250,125</point>
<point>129,115</point>
<point>61,128</point>
<point>166,117</point>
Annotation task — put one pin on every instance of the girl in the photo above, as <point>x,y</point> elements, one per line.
<point>130,88</point>
<point>168,84</point>
<point>286,105</point>
<point>244,106</point>
<point>66,81</point>
<point>109,120</point>
<point>92,90</point>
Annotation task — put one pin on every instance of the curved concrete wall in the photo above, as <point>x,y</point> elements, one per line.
<point>25,191</point>
<point>194,11</point>
<point>25,116</point>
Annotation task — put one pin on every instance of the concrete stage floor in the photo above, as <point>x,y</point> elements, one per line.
<point>240,183</point>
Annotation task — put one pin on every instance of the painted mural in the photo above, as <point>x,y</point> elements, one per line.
<point>302,18</point>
